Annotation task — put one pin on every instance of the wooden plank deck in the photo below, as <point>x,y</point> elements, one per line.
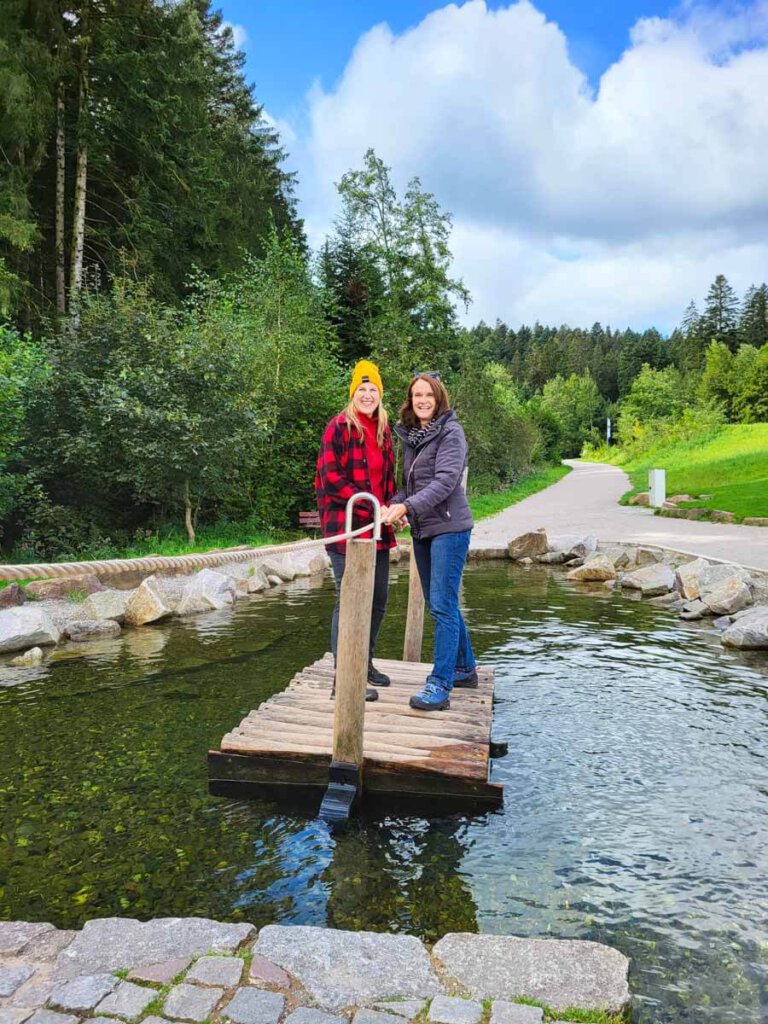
<point>288,740</point>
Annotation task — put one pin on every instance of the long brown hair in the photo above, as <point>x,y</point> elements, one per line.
<point>442,402</point>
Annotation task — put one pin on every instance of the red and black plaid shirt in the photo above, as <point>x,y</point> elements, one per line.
<point>341,472</point>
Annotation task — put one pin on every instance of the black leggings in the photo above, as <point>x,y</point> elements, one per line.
<point>380,594</point>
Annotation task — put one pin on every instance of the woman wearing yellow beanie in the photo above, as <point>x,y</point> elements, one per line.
<point>356,455</point>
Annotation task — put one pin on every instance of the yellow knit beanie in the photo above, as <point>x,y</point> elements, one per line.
<point>365,373</point>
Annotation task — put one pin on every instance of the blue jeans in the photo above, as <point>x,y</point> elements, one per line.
<point>440,561</point>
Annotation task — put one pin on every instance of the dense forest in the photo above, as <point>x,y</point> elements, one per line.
<point>169,346</point>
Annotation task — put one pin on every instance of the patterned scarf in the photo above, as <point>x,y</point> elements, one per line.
<point>416,435</point>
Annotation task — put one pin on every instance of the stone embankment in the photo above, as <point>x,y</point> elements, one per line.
<point>734,597</point>
<point>196,971</point>
<point>82,608</point>
<point>671,509</point>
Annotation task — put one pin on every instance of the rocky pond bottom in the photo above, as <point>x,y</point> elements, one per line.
<point>636,790</point>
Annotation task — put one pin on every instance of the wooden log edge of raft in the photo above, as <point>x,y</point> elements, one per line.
<point>245,775</point>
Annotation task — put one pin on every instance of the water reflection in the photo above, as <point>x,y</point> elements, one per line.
<point>636,789</point>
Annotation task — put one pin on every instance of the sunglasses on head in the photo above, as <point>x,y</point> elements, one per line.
<point>432,374</point>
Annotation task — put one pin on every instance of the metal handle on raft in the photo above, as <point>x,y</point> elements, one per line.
<point>364,496</point>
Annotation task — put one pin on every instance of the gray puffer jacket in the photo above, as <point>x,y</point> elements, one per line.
<point>433,480</point>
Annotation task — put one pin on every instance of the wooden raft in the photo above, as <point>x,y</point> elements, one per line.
<point>287,741</point>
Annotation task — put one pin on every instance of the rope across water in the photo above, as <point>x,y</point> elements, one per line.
<point>154,563</point>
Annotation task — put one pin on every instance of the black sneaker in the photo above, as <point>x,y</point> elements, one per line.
<point>466,682</point>
<point>376,678</point>
<point>370,695</point>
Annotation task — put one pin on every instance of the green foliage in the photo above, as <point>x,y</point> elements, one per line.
<point>503,441</point>
<point>721,314</point>
<point>550,427</point>
<point>753,326</point>
<point>750,401</point>
<point>182,166</point>
<point>403,243</point>
<point>655,396</point>
<point>278,314</point>
<point>576,403</point>
<point>23,369</point>
<point>212,410</point>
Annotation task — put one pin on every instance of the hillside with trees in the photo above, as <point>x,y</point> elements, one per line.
<point>170,348</point>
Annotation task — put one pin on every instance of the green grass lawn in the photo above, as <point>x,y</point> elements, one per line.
<point>484,505</point>
<point>731,465</point>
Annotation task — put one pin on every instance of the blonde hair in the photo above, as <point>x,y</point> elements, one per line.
<point>353,417</point>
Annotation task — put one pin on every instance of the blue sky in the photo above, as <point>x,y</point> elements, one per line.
<point>291,44</point>
<point>600,162</point>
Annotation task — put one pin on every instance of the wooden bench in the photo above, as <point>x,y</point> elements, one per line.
<point>309,520</point>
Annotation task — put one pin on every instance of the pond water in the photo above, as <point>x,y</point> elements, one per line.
<point>636,790</point>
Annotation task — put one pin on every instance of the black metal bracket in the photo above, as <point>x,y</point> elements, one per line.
<point>340,795</point>
<point>497,748</point>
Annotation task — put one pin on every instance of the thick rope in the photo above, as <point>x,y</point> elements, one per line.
<point>155,563</point>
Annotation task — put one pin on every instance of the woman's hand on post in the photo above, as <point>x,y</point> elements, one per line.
<point>393,513</point>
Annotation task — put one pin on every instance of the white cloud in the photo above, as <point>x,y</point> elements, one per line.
<point>570,204</point>
<point>239,34</point>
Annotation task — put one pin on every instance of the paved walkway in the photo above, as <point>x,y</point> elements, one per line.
<point>585,501</point>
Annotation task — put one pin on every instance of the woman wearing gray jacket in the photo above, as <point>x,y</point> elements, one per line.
<point>434,501</point>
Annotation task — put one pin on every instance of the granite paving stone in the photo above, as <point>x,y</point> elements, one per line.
<point>15,936</point>
<point>308,1015</point>
<point>148,1020</point>
<point>128,1001</point>
<point>225,971</point>
<point>52,1017</point>
<point>343,968</point>
<point>14,1014</point>
<point>161,974</point>
<point>191,1002</point>
<point>12,976</point>
<point>375,1017</point>
<point>264,970</point>
<point>503,1012</point>
<point>558,972</point>
<point>107,1020</point>
<point>82,994</point>
<point>48,944</point>
<point>35,992</point>
<point>254,1006</point>
<point>409,1008</point>
<point>451,1010</point>
<point>113,943</point>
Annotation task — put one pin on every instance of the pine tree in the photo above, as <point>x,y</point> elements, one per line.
<point>753,324</point>
<point>720,318</point>
<point>135,145</point>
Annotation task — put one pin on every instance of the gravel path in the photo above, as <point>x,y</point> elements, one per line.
<point>585,501</point>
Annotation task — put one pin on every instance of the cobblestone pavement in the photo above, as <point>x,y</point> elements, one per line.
<point>193,971</point>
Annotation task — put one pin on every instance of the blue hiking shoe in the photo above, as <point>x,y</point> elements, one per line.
<point>466,679</point>
<point>433,697</point>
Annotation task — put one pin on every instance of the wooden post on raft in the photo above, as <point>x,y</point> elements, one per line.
<point>355,604</point>
<point>414,621</point>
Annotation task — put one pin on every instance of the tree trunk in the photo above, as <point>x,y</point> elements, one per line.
<point>81,183</point>
<point>61,281</point>
<point>188,513</point>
